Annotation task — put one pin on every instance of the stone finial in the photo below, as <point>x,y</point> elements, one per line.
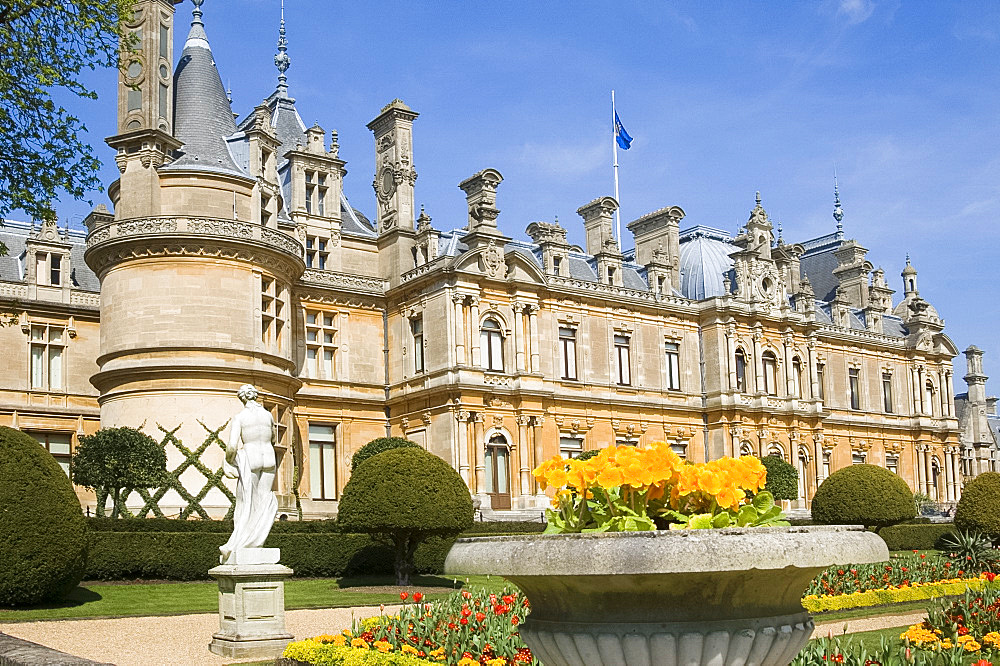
<point>838,212</point>
<point>281,60</point>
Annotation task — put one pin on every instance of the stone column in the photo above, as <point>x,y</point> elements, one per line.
<point>949,474</point>
<point>918,465</point>
<point>519,336</point>
<point>789,379</point>
<point>731,357</point>
<point>462,417</point>
<point>536,359</point>
<point>536,436</point>
<point>480,449</point>
<point>522,453</point>
<point>474,334</point>
<point>818,460</point>
<point>459,300</point>
<point>929,473</point>
<point>758,366</point>
<point>915,387</point>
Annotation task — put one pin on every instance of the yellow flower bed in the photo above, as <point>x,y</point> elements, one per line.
<point>335,651</point>
<point>895,595</point>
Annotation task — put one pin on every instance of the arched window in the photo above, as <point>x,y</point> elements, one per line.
<point>796,377</point>
<point>929,398</point>
<point>746,449</point>
<point>777,450</point>
<point>741,371</point>
<point>491,345</point>
<point>770,373</point>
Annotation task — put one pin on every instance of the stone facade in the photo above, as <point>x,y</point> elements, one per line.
<point>232,255</point>
<point>978,419</point>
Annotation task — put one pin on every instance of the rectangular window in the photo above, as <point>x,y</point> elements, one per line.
<point>770,373</point>
<point>417,328</point>
<point>322,462</point>
<point>680,448</point>
<point>163,100</point>
<point>56,443</point>
<point>567,350</point>
<point>321,195</point>
<point>55,270</point>
<point>164,42</point>
<point>673,366</point>
<point>820,371</point>
<point>859,458</point>
<point>622,344</point>
<point>570,447</point>
<point>321,336</point>
<point>134,100</point>
<point>887,392</point>
<point>41,266</point>
<point>556,264</point>
<point>826,465</point>
<point>854,380</point>
<point>491,345</point>
<point>892,464</point>
<point>47,346</point>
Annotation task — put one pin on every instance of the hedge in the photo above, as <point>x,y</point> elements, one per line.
<point>978,508</point>
<point>910,536</point>
<point>144,552</point>
<point>917,592</point>
<point>282,526</point>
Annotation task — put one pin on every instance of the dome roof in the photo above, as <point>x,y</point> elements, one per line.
<point>704,261</point>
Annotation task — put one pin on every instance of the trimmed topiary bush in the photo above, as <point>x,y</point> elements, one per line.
<point>782,478</point>
<point>979,506</point>
<point>380,445</point>
<point>863,495</point>
<point>116,461</point>
<point>42,529</point>
<point>407,495</point>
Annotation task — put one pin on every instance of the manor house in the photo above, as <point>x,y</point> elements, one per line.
<point>231,255</point>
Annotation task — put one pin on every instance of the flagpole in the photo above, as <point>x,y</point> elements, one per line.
<point>614,150</point>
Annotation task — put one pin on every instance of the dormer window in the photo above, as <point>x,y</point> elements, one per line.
<point>611,274</point>
<point>48,269</point>
<point>556,265</point>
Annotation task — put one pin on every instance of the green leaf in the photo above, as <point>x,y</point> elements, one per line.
<point>701,521</point>
<point>763,501</point>
<point>722,520</point>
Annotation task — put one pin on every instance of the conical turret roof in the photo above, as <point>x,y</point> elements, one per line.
<point>203,117</point>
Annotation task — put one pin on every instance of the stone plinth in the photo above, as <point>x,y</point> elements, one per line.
<point>251,606</point>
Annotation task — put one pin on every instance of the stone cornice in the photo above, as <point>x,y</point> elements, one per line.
<point>344,281</point>
<point>121,240</point>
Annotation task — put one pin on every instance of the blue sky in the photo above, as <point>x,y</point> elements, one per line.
<point>723,99</point>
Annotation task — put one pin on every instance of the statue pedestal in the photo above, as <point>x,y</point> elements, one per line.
<point>251,606</point>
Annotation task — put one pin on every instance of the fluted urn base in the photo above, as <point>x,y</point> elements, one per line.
<point>686,598</point>
<point>769,641</point>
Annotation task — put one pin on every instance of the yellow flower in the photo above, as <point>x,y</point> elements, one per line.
<point>383,646</point>
<point>408,649</point>
<point>992,639</point>
<point>359,643</point>
<point>610,477</point>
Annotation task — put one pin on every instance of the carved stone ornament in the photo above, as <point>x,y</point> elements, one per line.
<point>493,261</point>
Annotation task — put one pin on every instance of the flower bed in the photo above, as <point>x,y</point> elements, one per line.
<point>899,572</point>
<point>970,624</point>
<point>466,629</point>
<point>893,595</point>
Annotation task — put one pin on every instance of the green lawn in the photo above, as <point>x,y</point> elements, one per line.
<point>118,600</point>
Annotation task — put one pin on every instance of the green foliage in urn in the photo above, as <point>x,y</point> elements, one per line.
<point>782,478</point>
<point>407,495</point>
<point>116,461</point>
<point>979,507</point>
<point>47,46</point>
<point>380,445</point>
<point>863,495</point>
<point>42,529</point>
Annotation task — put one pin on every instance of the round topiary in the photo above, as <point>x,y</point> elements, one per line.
<point>380,445</point>
<point>42,527</point>
<point>587,455</point>
<point>407,495</point>
<point>979,506</point>
<point>782,478</point>
<point>863,495</point>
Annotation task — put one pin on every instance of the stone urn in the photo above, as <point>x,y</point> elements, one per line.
<point>692,597</point>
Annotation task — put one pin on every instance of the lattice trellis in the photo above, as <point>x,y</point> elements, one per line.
<point>192,458</point>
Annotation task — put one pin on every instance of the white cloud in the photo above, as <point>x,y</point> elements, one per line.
<point>856,11</point>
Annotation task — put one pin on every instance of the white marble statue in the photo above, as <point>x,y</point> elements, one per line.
<point>250,459</point>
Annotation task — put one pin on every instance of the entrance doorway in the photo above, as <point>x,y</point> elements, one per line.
<point>498,473</point>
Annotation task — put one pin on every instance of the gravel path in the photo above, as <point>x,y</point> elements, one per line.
<point>182,640</point>
<point>175,640</point>
<point>860,624</point>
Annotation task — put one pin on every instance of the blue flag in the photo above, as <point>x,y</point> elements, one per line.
<point>621,136</point>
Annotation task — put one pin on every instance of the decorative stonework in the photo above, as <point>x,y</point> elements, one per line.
<point>370,285</point>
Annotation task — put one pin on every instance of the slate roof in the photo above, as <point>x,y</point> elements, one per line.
<point>203,117</point>
<point>13,234</point>
<point>818,262</point>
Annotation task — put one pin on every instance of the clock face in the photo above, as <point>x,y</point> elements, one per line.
<point>386,184</point>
